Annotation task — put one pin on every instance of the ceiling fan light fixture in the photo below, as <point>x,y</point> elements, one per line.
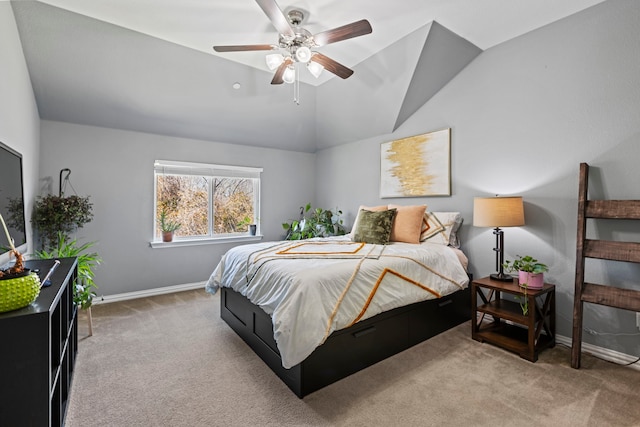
<point>315,68</point>
<point>289,75</point>
<point>295,45</point>
<point>303,54</point>
<point>274,60</point>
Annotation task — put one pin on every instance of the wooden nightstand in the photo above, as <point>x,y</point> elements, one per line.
<point>526,335</point>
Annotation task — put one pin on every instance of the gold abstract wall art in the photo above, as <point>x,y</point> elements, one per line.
<point>416,166</point>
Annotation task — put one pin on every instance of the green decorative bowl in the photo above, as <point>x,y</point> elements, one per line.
<point>18,292</point>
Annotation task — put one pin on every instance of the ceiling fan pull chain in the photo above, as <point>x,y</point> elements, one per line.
<point>296,88</point>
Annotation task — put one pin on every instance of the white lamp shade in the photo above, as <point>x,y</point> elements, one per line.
<point>303,54</point>
<point>315,69</point>
<point>289,75</point>
<point>498,212</point>
<point>274,60</point>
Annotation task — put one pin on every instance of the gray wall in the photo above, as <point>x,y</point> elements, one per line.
<point>19,120</point>
<point>523,115</point>
<point>115,168</point>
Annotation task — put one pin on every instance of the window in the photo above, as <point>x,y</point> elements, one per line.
<point>207,201</point>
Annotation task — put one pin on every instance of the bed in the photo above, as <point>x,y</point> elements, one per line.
<point>319,310</point>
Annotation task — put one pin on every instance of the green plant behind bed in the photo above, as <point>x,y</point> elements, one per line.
<point>316,222</point>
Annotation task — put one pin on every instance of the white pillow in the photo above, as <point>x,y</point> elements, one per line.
<point>442,228</point>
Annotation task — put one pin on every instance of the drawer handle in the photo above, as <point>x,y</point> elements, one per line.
<point>447,302</point>
<point>364,332</point>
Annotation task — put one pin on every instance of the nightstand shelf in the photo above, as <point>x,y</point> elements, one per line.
<point>504,309</point>
<point>510,329</point>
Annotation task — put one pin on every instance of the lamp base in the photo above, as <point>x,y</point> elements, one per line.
<point>501,277</point>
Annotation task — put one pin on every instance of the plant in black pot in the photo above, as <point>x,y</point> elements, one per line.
<point>248,224</point>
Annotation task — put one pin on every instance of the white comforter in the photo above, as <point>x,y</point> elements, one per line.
<point>314,287</point>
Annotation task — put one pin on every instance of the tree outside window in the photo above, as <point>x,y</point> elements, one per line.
<point>206,205</point>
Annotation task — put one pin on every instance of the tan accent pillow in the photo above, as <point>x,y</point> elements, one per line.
<point>408,223</point>
<point>367,208</point>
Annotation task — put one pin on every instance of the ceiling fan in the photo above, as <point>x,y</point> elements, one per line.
<point>295,44</point>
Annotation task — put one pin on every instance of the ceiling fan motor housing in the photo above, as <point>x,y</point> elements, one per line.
<point>303,38</point>
<point>295,17</point>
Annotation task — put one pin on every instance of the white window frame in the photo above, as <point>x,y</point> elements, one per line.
<point>210,171</point>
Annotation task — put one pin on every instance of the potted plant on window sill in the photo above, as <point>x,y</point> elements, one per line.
<point>249,224</point>
<point>167,227</point>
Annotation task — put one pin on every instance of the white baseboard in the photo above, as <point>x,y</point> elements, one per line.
<point>603,353</point>
<point>105,299</point>
<point>599,352</point>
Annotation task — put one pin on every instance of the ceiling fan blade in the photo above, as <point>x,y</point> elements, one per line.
<point>277,77</point>
<point>355,29</point>
<point>243,47</point>
<point>277,18</point>
<point>332,66</point>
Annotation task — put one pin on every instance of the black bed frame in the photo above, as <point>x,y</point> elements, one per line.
<point>348,350</point>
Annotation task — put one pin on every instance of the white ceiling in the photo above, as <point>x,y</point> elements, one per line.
<point>200,24</point>
<point>149,65</point>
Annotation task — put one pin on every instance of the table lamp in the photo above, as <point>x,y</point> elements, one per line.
<point>498,212</point>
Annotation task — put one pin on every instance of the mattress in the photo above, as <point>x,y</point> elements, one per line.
<point>313,287</point>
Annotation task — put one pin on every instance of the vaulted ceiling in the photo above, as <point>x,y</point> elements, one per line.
<point>148,65</point>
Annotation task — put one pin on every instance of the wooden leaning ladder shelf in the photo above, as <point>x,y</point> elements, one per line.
<point>627,299</point>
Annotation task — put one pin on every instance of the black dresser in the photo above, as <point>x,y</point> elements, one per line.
<point>38,347</point>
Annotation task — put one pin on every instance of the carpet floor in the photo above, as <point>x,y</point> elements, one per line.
<point>170,360</point>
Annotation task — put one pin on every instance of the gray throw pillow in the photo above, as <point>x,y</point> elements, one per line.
<point>374,227</point>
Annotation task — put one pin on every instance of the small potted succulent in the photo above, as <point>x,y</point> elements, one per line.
<point>167,226</point>
<point>251,226</point>
<point>530,271</point>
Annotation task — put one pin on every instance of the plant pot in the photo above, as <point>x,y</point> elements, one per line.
<point>19,290</point>
<point>167,236</point>
<point>532,280</point>
<point>252,229</point>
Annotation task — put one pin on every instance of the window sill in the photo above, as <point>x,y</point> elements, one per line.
<point>206,241</point>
